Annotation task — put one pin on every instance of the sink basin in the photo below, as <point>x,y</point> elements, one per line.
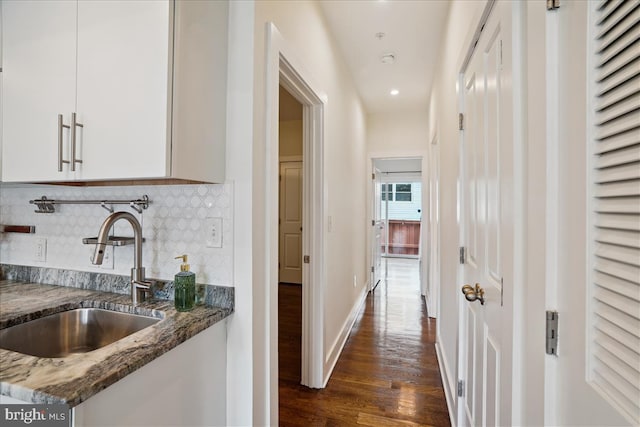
<point>74,331</point>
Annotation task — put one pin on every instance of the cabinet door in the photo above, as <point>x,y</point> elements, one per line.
<point>123,88</point>
<point>39,76</point>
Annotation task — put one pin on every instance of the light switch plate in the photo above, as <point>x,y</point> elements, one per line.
<point>214,232</point>
<point>40,250</point>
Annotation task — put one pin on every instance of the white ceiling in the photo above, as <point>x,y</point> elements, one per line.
<point>413,33</point>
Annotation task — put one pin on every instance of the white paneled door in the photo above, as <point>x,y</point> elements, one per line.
<point>487,228</point>
<point>291,222</point>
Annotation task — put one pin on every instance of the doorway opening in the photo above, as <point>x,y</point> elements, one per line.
<point>290,225</point>
<point>397,212</point>
<point>282,69</point>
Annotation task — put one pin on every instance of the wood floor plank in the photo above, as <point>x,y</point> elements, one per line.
<point>387,374</point>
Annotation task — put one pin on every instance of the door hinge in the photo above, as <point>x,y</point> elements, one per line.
<point>373,176</point>
<point>463,254</point>
<point>461,121</point>
<point>373,222</point>
<point>553,4</point>
<point>373,269</point>
<point>305,259</point>
<point>552,332</point>
<point>460,388</point>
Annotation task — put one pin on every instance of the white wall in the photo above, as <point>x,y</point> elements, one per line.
<point>397,134</point>
<point>302,26</point>
<point>240,351</point>
<point>462,21</point>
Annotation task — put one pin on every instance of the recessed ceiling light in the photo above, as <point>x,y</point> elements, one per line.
<point>388,58</point>
<point>380,35</point>
<point>394,92</point>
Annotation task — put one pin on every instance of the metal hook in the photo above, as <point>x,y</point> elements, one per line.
<point>104,205</point>
<point>134,205</point>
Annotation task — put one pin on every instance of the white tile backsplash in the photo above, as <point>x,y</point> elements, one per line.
<point>174,223</point>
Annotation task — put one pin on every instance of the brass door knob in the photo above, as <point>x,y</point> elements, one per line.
<point>473,294</point>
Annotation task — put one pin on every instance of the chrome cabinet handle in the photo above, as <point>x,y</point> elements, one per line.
<point>473,294</point>
<point>74,125</point>
<point>61,127</point>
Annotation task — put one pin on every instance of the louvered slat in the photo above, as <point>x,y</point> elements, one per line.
<point>605,38</point>
<point>625,338</point>
<point>620,109</point>
<point>617,388</point>
<point>620,173</point>
<point>615,290</point>
<point>623,271</point>
<point>622,287</point>
<point>619,157</point>
<point>621,140</point>
<point>628,72</point>
<point>617,189</point>
<point>617,301</point>
<point>616,395</point>
<point>618,237</point>
<point>609,8</point>
<point>620,360</point>
<point>621,320</point>
<point>619,93</point>
<point>626,41</point>
<point>615,19</point>
<point>617,205</point>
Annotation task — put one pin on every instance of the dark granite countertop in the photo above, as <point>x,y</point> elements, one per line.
<point>75,378</point>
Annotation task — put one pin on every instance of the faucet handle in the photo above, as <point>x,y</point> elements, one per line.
<point>142,289</point>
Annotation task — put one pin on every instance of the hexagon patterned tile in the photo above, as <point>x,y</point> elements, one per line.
<point>174,223</point>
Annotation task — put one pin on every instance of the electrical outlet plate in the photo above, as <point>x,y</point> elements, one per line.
<point>214,232</point>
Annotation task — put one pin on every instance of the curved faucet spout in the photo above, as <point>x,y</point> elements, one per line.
<point>103,236</point>
<point>138,283</point>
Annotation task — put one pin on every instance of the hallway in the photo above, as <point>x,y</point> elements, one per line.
<point>387,374</point>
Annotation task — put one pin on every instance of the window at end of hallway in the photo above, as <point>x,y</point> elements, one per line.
<point>403,192</point>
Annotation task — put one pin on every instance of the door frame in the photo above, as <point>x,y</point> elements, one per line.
<point>284,68</point>
<point>432,282</point>
<point>374,224</point>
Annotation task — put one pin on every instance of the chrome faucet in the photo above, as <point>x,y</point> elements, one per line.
<point>139,286</point>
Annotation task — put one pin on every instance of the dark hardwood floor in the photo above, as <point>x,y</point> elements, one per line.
<point>387,374</point>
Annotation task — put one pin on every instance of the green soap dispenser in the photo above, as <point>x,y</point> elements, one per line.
<point>185,287</point>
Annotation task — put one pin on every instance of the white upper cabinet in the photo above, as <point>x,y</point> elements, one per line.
<point>39,81</point>
<point>145,81</point>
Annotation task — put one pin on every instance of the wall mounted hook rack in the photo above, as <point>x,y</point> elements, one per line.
<point>48,205</point>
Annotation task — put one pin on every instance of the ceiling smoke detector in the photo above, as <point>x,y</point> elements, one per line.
<point>379,35</point>
<point>388,58</point>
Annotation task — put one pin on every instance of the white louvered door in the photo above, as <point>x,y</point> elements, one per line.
<point>613,337</point>
<point>595,378</point>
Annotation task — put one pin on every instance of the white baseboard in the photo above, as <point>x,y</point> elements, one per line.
<point>341,340</point>
<point>448,383</point>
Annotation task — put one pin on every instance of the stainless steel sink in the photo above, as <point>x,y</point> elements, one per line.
<point>74,331</point>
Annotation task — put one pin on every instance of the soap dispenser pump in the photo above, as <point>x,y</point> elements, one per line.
<point>184,287</point>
